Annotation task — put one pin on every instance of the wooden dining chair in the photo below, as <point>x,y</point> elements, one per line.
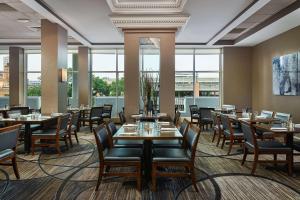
<point>116,157</point>
<point>112,130</point>
<point>8,142</point>
<point>52,137</point>
<point>194,111</point>
<point>252,146</point>
<point>205,118</point>
<point>175,157</point>
<point>232,133</point>
<point>73,127</point>
<point>95,117</point>
<point>177,118</point>
<point>218,128</point>
<point>183,129</point>
<point>122,117</point>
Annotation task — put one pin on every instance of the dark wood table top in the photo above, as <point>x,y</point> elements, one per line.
<point>148,131</point>
<point>277,128</point>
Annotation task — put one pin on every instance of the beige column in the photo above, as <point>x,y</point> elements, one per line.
<point>16,76</point>
<point>131,74</point>
<point>167,69</point>
<point>167,73</point>
<point>54,58</point>
<point>84,81</point>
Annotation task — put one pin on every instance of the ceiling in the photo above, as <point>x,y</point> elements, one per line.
<point>210,23</point>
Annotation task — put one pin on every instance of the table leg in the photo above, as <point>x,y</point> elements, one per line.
<point>147,159</point>
<point>27,138</point>
<point>290,143</point>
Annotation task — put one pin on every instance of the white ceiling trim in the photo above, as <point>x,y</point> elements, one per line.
<point>48,15</point>
<point>146,6</point>
<point>149,21</point>
<point>249,12</point>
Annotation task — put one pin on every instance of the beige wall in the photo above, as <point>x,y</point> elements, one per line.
<point>263,53</point>
<point>84,59</point>
<point>167,69</point>
<point>237,76</point>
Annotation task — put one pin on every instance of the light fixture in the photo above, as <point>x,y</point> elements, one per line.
<point>23,20</point>
<point>63,75</point>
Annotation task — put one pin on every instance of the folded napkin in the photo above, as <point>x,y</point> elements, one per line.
<point>168,129</point>
<point>162,114</point>
<point>244,118</point>
<point>278,128</point>
<point>136,115</point>
<point>260,117</point>
<point>129,134</point>
<point>164,123</point>
<point>129,125</point>
<point>8,119</point>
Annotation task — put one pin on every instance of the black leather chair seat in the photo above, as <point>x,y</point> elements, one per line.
<point>271,146</point>
<point>167,143</point>
<point>128,143</point>
<point>123,154</point>
<point>6,153</point>
<point>48,132</point>
<point>169,155</point>
<point>236,133</point>
<point>297,145</point>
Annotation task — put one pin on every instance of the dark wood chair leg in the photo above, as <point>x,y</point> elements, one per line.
<point>219,139</point>
<point>230,146</point>
<point>15,167</point>
<point>214,136</point>
<point>75,133</point>
<point>58,147</point>
<point>245,155</point>
<point>66,142</point>
<point>289,158</point>
<point>139,178</point>
<point>99,176</point>
<point>153,177</point>
<point>32,146</point>
<point>193,176</point>
<point>223,142</point>
<point>70,139</point>
<point>254,162</point>
<point>91,126</point>
<point>275,159</point>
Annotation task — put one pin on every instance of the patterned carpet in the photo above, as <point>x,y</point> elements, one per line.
<point>73,175</point>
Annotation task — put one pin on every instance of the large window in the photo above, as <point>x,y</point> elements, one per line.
<point>108,78</point>
<point>34,80</point>
<point>4,79</point>
<point>72,89</point>
<point>197,78</point>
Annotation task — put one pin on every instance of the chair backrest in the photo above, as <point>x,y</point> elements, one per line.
<point>184,127</point>
<point>267,114</point>
<point>107,108</point>
<point>283,117</point>
<point>225,121</point>
<point>193,109</point>
<point>62,124</point>
<point>122,117</point>
<point>96,111</point>
<point>24,110</point>
<point>249,134</point>
<point>75,118</point>
<point>102,141</point>
<point>112,128</point>
<point>177,118</point>
<point>191,140</point>
<point>9,137</point>
<point>205,112</point>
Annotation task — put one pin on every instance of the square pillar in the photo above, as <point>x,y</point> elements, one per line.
<point>54,59</point>
<point>16,76</point>
<point>84,80</point>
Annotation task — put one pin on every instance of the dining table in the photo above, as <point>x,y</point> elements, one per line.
<point>148,131</point>
<point>27,121</point>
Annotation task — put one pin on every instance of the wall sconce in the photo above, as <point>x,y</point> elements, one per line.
<point>63,75</point>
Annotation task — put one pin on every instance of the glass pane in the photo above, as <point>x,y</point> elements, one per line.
<point>104,61</point>
<point>207,89</point>
<point>4,80</point>
<point>121,60</point>
<point>151,60</point>
<point>184,91</point>
<point>34,90</point>
<point>184,60</point>
<point>207,62</point>
<point>4,60</point>
<point>70,60</point>
<point>34,62</point>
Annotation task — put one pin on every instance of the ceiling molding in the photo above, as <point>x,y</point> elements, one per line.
<point>146,6</point>
<point>246,13</point>
<point>149,21</point>
<point>43,9</point>
<point>294,6</point>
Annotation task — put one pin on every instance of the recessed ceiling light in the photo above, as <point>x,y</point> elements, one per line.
<point>23,20</point>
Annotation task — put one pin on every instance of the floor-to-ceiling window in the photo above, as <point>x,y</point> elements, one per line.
<point>197,78</point>
<point>72,89</point>
<point>4,79</point>
<point>108,78</point>
<point>33,63</point>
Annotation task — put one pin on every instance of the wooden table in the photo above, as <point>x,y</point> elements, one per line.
<point>147,131</point>
<point>149,118</point>
<point>27,120</point>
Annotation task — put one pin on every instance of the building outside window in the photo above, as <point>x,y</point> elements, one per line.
<point>4,79</point>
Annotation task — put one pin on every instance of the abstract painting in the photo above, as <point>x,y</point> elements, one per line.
<point>286,75</point>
